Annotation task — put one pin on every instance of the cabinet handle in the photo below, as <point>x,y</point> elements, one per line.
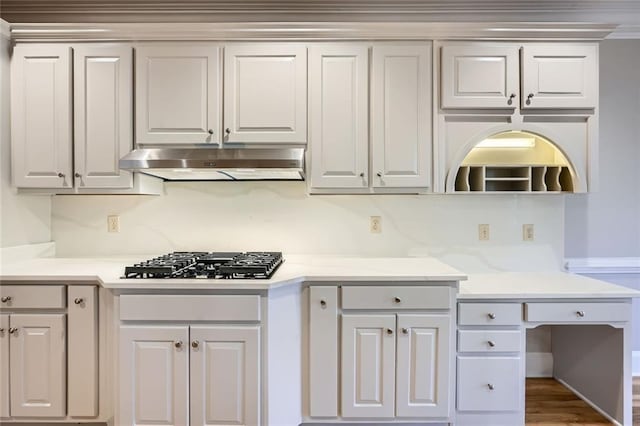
<point>389,331</point>
<point>178,344</point>
<point>490,386</point>
<point>580,314</point>
<point>529,98</point>
<point>78,175</point>
<point>210,131</point>
<point>60,174</point>
<point>491,343</point>
<point>227,130</point>
<point>405,330</point>
<point>323,303</point>
<point>195,344</point>
<point>1,329</point>
<point>510,100</point>
<point>379,174</point>
<point>397,300</point>
<point>12,330</point>
<point>78,300</point>
<point>491,315</point>
<point>5,299</point>
<point>361,175</point>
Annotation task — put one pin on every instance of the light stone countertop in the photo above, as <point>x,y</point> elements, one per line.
<point>300,268</point>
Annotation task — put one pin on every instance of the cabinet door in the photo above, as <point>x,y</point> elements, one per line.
<point>154,375</point>
<point>559,76</point>
<point>38,366</point>
<point>4,366</point>
<point>338,87</point>
<point>225,375</point>
<point>368,366</point>
<point>423,372</point>
<point>401,115</point>
<point>477,76</point>
<point>41,116</point>
<point>178,94</point>
<point>103,93</point>
<point>265,93</point>
<point>82,381</point>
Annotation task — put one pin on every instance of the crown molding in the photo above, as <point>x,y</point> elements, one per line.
<point>308,31</point>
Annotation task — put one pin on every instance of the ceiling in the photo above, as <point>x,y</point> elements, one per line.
<point>625,13</point>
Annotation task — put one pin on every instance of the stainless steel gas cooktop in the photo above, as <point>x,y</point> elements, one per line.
<point>216,265</point>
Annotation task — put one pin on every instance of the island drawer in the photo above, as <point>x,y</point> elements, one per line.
<point>489,313</point>
<point>396,297</point>
<point>577,312</point>
<point>33,296</point>
<point>489,341</point>
<point>168,307</point>
<point>489,384</point>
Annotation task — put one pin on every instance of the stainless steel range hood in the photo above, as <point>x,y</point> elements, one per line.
<point>217,163</point>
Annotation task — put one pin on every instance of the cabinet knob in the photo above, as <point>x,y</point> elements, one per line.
<point>491,343</point>
<point>78,300</point>
<point>195,344</point>
<point>491,315</point>
<point>405,330</point>
<point>12,330</point>
<point>178,344</point>
<point>362,175</point>
<point>510,100</point>
<point>78,175</point>
<point>5,299</point>
<point>210,131</point>
<point>397,300</point>
<point>389,331</point>
<point>60,174</point>
<point>379,174</point>
<point>580,314</point>
<point>490,386</point>
<point>1,329</point>
<point>323,303</point>
<point>529,96</point>
<point>227,130</point>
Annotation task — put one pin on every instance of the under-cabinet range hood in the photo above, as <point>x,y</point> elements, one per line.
<point>217,163</point>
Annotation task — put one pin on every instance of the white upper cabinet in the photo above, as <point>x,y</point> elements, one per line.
<point>477,76</point>
<point>265,93</point>
<point>338,102</point>
<point>401,115</point>
<point>178,94</point>
<point>41,116</point>
<point>559,76</point>
<point>103,92</point>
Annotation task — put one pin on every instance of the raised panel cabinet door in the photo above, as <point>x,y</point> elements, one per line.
<point>103,114</point>
<point>38,365</point>
<point>225,375</point>
<point>82,326</point>
<point>401,115</point>
<point>423,372</point>
<point>338,95</point>
<point>178,94</point>
<point>477,76</point>
<point>323,351</point>
<point>41,116</point>
<point>4,367</point>
<point>154,375</point>
<point>559,76</point>
<point>368,366</point>
<point>265,93</point>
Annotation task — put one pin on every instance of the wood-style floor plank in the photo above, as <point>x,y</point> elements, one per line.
<point>636,401</point>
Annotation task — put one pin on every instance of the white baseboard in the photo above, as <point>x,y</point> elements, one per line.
<point>540,364</point>
<point>602,265</point>
<point>585,399</point>
<point>635,363</point>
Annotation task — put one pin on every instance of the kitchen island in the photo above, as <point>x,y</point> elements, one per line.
<point>282,343</point>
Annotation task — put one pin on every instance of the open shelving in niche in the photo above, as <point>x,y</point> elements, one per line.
<point>515,162</point>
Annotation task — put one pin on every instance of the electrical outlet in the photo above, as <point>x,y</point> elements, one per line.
<point>527,232</point>
<point>113,223</point>
<point>483,232</point>
<point>375,225</point>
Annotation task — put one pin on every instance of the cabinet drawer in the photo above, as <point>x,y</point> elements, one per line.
<point>33,296</point>
<point>388,297</point>
<point>167,307</point>
<point>488,341</point>
<point>489,384</point>
<point>489,314</point>
<point>577,312</point>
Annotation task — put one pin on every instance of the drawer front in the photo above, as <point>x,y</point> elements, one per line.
<point>489,341</point>
<point>489,384</point>
<point>390,297</point>
<point>33,296</point>
<point>166,307</point>
<point>578,312</point>
<point>489,313</point>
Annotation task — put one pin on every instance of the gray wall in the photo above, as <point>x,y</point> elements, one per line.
<point>607,223</point>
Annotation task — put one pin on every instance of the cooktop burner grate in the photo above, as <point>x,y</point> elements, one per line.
<point>216,265</point>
